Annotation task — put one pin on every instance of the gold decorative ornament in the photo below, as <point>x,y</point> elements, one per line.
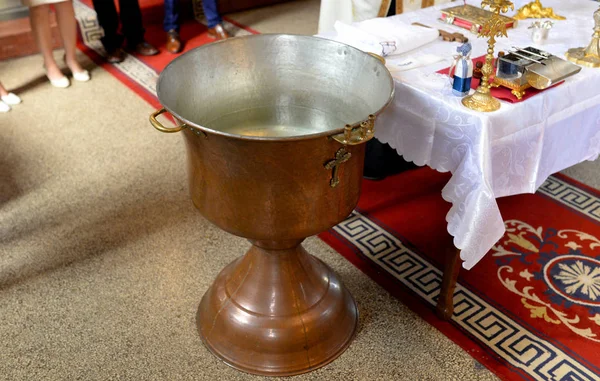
<point>516,90</point>
<point>589,56</point>
<point>472,18</point>
<point>341,156</point>
<point>482,99</point>
<point>535,10</point>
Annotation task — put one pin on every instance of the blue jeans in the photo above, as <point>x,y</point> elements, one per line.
<point>171,21</point>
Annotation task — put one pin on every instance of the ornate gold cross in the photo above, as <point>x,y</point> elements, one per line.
<point>341,156</point>
<point>481,99</point>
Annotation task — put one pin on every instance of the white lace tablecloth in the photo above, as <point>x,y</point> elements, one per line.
<point>497,154</point>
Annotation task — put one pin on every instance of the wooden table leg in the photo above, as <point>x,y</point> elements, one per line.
<point>445,305</point>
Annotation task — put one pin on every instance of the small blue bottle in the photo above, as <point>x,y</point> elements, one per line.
<point>463,71</point>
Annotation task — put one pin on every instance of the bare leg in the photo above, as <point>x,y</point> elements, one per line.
<point>3,91</point>
<point>40,24</point>
<point>68,31</point>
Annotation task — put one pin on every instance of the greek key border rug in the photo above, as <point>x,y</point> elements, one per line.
<point>529,310</point>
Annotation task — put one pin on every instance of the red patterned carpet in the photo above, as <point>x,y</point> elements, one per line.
<point>529,310</point>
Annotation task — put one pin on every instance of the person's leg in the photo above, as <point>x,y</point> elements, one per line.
<point>131,22</point>
<point>4,107</point>
<point>171,21</point>
<point>211,11</point>
<point>109,21</point>
<point>40,25</point>
<point>7,98</point>
<point>213,18</point>
<point>3,91</point>
<point>67,25</point>
<point>171,26</point>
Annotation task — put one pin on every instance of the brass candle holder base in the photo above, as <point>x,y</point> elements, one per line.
<point>535,10</point>
<point>481,100</point>
<point>579,56</point>
<point>589,56</point>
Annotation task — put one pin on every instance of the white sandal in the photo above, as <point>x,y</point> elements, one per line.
<point>82,76</point>
<point>11,99</point>
<point>61,82</point>
<point>4,107</point>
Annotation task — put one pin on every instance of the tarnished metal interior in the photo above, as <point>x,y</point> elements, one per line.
<point>274,86</point>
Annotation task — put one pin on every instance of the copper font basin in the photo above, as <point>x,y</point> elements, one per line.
<point>274,126</point>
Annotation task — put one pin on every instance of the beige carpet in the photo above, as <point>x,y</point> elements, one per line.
<point>295,17</point>
<point>103,259</point>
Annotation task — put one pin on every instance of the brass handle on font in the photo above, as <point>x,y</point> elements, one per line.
<point>156,124</point>
<point>358,134</point>
<point>362,132</point>
<point>380,58</point>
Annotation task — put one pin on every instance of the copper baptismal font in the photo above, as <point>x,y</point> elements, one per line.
<point>274,127</point>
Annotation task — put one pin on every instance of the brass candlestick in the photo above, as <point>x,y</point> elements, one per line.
<point>494,27</point>
<point>535,10</point>
<point>589,56</point>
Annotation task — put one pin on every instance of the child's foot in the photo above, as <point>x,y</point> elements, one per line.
<point>4,107</point>
<point>11,99</point>
<point>57,78</point>
<point>79,73</point>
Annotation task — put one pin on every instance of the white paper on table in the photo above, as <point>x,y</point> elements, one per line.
<point>372,35</point>
<point>353,36</point>
<point>411,62</point>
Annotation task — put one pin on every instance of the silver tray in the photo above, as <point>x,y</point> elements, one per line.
<point>553,71</point>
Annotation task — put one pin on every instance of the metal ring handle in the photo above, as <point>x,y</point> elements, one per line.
<point>156,124</point>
